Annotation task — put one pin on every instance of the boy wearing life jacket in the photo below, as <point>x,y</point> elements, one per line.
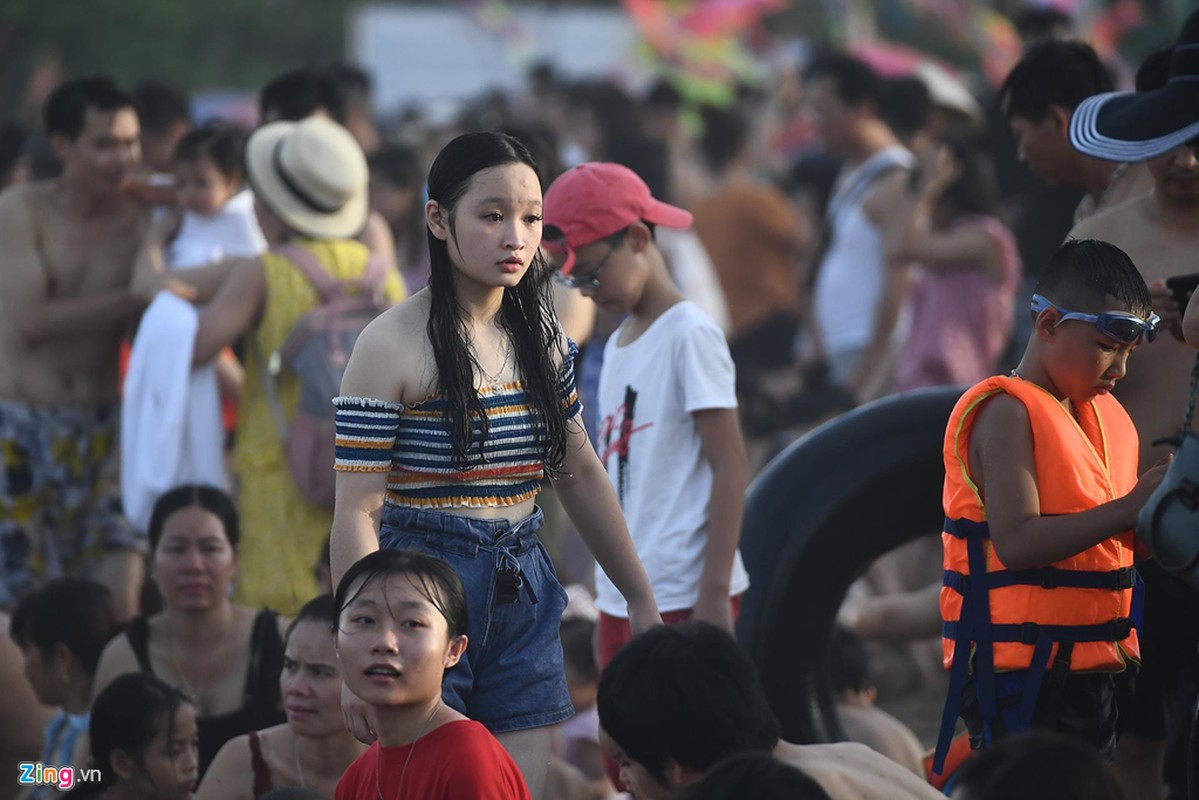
<point>1041,496</point>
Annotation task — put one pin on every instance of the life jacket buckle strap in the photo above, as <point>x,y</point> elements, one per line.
<point>1126,577</point>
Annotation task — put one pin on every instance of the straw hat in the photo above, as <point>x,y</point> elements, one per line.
<point>312,175</point>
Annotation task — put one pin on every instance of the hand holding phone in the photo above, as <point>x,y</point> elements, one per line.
<point>1181,287</point>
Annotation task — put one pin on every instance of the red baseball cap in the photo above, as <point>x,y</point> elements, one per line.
<point>595,200</point>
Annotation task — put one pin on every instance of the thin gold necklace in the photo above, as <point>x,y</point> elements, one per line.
<point>411,750</point>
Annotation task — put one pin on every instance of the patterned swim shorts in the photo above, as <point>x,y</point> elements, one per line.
<point>55,516</point>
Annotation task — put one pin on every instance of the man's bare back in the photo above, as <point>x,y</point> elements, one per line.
<point>1155,389</point>
<point>64,277</point>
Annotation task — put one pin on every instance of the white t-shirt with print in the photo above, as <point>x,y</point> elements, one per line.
<point>648,391</point>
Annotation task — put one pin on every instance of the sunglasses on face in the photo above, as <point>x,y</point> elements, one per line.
<point>1119,326</point>
<point>589,279</point>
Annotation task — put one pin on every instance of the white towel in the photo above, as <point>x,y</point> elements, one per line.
<point>171,430</point>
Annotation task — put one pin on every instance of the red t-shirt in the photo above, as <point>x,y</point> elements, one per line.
<point>458,761</point>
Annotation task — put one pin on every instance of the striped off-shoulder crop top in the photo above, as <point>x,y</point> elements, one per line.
<point>412,444</point>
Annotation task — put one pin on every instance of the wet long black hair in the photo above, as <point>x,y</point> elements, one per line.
<point>526,312</point>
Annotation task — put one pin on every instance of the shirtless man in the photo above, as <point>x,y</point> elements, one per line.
<point>1160,232</point>
<point>69,247</point>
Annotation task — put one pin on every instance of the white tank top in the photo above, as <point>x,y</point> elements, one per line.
<point>851,275</point>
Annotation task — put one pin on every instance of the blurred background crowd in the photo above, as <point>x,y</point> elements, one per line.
<point>744,112</point>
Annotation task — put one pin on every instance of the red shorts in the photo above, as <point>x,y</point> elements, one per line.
<point>612,633</point>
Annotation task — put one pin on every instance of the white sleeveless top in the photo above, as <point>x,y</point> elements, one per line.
<point>850,280</point>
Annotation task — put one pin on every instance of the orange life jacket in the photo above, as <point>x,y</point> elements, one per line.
<point>1022,619</point>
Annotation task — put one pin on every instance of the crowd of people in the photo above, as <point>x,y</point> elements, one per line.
<point>303,429</point>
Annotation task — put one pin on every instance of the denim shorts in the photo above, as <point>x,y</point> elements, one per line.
<point>512,677</point>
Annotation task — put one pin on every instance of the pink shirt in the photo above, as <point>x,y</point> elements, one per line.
<point>961,317</point>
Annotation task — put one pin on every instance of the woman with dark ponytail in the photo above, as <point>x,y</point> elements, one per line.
<point>143,740</point>
<point>456,404</point>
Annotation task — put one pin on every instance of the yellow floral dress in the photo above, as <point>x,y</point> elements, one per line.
<point>281,532</point>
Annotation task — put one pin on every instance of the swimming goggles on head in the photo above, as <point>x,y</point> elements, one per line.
<point>1120,326</point>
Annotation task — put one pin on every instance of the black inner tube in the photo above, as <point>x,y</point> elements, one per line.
<point>815,518</point>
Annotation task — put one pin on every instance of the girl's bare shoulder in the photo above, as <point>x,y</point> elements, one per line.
<point>392,358</point>
<point>400,327</point>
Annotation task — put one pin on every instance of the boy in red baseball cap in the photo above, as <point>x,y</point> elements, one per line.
<point>669,433</point>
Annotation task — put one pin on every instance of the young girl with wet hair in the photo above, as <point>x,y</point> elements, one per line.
<point>143,741</point>
<point>456,404</point>
<point>401,628</point>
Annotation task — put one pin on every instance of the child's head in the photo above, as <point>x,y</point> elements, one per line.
<point>401,625</point>
<point>578,651</point>
<point>194,534</point>
<point>601,216</point>
<point>310,682</point>
<point>61,629</point>
<point>208,167</point>
<point>484,232</point>
<point>143,736</point>
<point>757,775</point>
<point>1090,310</point>
<point>678,699</point>
<point>849,665</point>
